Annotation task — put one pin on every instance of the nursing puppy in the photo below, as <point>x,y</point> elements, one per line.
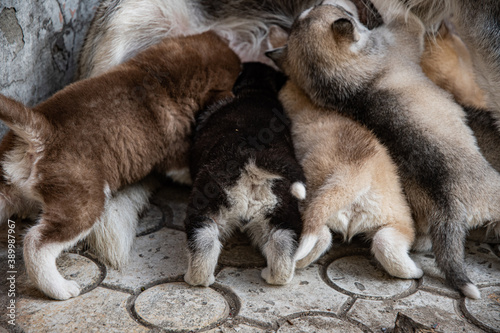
<point>374,77</point>
<point>245,176</point>
<point>446,61</point>
<point>70,153</point>
<point>477,24</point>
<point>352,184</point>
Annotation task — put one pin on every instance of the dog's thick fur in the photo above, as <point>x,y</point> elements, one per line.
<point>122,28</point>
<point>353,186</point>
<point>71,153</point>
<point>478,24</point>
<point>245,176</point>
<point>374,76</point>
<point>447,62</point>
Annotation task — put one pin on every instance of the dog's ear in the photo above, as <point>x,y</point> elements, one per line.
<point>344,29</point>
<point>278,56</point>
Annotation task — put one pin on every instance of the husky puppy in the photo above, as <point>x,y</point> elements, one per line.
<point>70,153</point>
<point>353,186</point>
<point>447,62</point>
<point>245,176</point>
<point>374,77</point>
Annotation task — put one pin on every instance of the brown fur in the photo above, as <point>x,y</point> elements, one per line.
<point>353,185</point>
<point>100,134</point>
<point>447,62</point>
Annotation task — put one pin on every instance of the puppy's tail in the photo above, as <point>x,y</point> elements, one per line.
<point>25,122</point>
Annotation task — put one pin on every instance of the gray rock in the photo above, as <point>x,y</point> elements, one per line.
<point>40,42</point>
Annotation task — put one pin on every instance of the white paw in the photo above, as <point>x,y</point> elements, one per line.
<point>63,290</point>
<point>276,279</point>
<point>199,280</point>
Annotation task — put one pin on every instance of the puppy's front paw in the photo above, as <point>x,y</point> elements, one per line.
<point>276,279</point>
<point>62,290</point>
<point>198,279</point>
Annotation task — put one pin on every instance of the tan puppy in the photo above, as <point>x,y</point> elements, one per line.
<point>447,62</point>
<point>72,152</point>
<point>353,186</point>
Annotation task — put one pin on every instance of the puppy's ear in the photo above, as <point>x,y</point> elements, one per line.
<point>278,56</point>
<point>344,29</point>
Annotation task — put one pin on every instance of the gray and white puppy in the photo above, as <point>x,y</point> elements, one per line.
<point>374,77</point>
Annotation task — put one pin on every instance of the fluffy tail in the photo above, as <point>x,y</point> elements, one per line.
<point>22,120</point>
<point>112,237</point>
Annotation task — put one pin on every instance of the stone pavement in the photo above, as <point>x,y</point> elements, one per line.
<point>346,291</point>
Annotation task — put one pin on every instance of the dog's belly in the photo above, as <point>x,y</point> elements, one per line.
<point>362,215</point>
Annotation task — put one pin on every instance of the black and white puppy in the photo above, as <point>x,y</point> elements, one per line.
<point>245,175</point>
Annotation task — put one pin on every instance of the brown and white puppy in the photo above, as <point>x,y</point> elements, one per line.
<point>70,153</point>
<point>353,186</point>
<point>374,76</point>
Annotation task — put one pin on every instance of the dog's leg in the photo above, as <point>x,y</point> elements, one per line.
<point>390,246</point>
<point>204,248</point>
<point>40,260</point>
<point>448,228</point>
<point>323,244</point>
<point>279,251</point>
<point>69,213</point>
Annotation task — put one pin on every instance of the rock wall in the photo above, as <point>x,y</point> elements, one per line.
<point>39,45</point>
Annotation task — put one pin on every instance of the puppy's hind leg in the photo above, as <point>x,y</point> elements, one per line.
<point>65,220</point>
<point>204,248</point>
<point>279,251</point>
<point>390,247</point>
<point>322,245</point>
<point>448,229</point>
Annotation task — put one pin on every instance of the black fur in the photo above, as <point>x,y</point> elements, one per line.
<point>252,126</point>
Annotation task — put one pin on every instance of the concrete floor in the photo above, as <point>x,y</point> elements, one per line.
<point>346,291</point>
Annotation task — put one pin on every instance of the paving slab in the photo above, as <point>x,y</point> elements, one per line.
<point>346,291</point>
<point>484,312</point>
<point>266,303</point>
<point>431,310</point>
<point>181,307</point>
<point>101,310</point>
<point>320,324</point>
<point>363,276</point>
<point>156,256</point>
